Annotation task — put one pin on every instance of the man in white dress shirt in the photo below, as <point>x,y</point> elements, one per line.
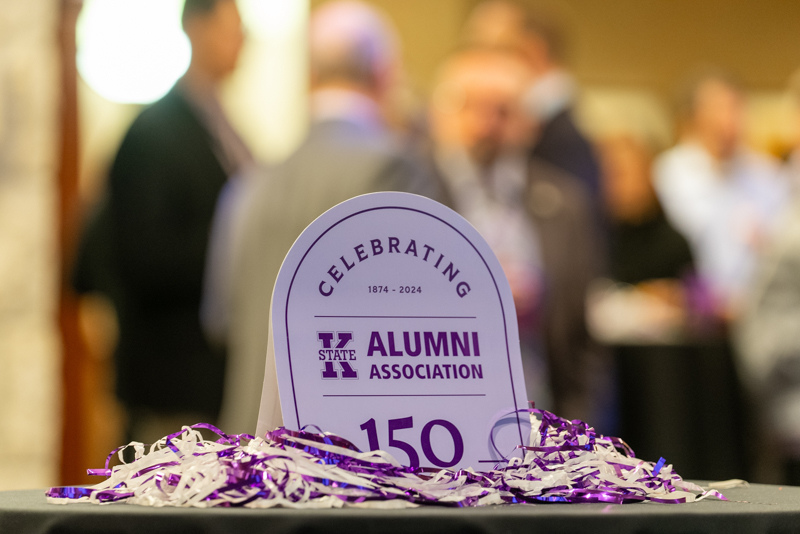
<point>723,197</point>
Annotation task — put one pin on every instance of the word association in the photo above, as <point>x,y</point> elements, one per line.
<point>393,246</point>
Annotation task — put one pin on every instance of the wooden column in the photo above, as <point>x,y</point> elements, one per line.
<point>73,349</point>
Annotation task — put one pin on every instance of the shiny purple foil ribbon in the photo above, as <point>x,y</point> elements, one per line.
<point>566,461</point>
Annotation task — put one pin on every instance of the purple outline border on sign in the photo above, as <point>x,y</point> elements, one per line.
<point>497,289</point>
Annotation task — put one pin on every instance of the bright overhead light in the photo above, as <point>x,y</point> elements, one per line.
<point>271,19</point>
<point>132,51</point>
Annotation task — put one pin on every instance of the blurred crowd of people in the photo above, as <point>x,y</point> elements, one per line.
<point>604,241</point>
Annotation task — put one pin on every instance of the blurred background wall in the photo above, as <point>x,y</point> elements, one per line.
<point>628,56</point>
<point>633,55</point>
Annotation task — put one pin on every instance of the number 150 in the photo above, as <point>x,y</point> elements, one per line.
<point>425,439</point>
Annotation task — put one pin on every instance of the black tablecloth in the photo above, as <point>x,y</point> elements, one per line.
<point>758,508</point>
<point>685,403</point>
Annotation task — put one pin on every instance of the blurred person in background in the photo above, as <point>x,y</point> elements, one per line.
<point>768,334</point>
<point>675,375</point>
<point>723,197</point>
<point>649,262</point>
<point>768,343</point>
<point>535,217</point>
<point>349,151</point>
<point>552,90</point>
<point>145,245</point>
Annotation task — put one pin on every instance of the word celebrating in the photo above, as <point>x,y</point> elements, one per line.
<point>393,247</point>
<point>425,439</point>
<point>435,343</point>
<point>424,371</point>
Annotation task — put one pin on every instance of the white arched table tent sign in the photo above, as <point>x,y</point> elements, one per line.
<point>393,326</point>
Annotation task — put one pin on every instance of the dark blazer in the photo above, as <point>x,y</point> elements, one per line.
<point>648,250</point>
<point>146,248</point>
<point>560,208</point>
<point>563,145</point>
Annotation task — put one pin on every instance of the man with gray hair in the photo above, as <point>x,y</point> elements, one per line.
<point>349,151</point>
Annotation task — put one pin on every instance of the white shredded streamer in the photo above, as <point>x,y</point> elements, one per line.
<point>295,470</point>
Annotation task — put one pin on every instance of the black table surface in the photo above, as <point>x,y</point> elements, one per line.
<point>757,508</point>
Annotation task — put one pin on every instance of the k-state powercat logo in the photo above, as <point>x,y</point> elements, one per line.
<point>334,353</point>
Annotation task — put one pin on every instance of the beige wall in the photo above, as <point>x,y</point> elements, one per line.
<point>29,343</point>
<point>647,43</point>
<point>653,42</point>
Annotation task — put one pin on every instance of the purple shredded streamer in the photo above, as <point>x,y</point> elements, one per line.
<point>566,461</point>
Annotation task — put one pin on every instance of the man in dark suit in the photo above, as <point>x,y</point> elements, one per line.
<point>349,151</point>
<point>536,218</point>
<point>150,253</point>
